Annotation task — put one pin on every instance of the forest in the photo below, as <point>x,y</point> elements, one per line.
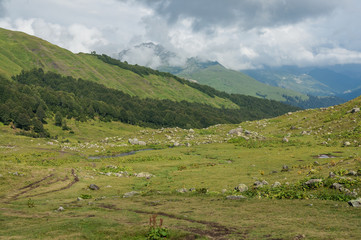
<point>35,95</point>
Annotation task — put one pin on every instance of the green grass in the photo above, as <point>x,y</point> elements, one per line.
<point>236,82</point>
<point>19,51</point>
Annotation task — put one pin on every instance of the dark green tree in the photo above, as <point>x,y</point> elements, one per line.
<point>58,119</point>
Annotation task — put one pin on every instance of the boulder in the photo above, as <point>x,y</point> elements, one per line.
<point>133,141</point>
<point>259,184</point>
<point>142,143</point>
<point>354,110</point>
<point>130,194</point>
<point>313,182</point>
<point>285,168</point>
<point>143,175</point>
<point>276,184</point>
<point>337,186</point>
<point>352,173</point>
<point>236,131</point>
<point>241,187</point>
<point>60,209</point>
<point>176,144</point>
<point>355,203</point>
<point>346,143</point>
<point>93,187</point>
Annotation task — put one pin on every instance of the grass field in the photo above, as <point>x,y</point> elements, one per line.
<point>40,175</point>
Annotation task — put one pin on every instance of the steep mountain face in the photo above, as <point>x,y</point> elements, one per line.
<point>19,51</point>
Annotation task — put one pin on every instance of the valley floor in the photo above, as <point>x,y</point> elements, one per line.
<point>45,184</point>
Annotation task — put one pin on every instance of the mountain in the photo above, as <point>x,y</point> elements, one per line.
<point>330,80</point>
<point>297,89</point>
<point>19,51</point>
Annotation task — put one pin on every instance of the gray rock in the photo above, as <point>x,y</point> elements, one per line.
<point>130,194</point>
<point>144,175</point>
<point>176,144</point>
<point>60,209</point>
<point>182,190</point>
<point>142,143</point>
<point>236,131</point>
<point>285,140</point>
<point>276,184</point>
<point>285,168</point>
<point>93,187</point>
<point>133,141</point>
<point>331,175</point>
<point>316,163</point>
<point>337,186</point>
<point>235,197</point>
<point>79,199</point>
<point>313,181</point>
<point>241,187</point>
<point>346,143</point>
<point>352,173</point>
<point>354,110</point>
<point>355,203</point>
<point>259,184</point>
<point>188,145</point>
<point>1,175</point>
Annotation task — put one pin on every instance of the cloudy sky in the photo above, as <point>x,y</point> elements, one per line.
<point>240,34</point>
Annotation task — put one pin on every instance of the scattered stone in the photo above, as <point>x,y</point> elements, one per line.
<point>247,132</point>
<point>60,209</point>
<point>285,140</point>
<point>191,130</point>
<point>355,203</point>
<point>331,175</point>
<point>347,144</point>
<point>337,186</point>
<point>235,197</point>
<point>354,110</point>
<point>130,194</point>
<point>313,181</point>
<point>79,199</point>
<point>352,173</point>
<point>299,237</point>
<point>1,175</point>
<point>144,175</point>
<point>176,144</point>
<point>133,141</point>
<point>93,187</point>
<point>274,171</point>
<point>276,184</point>
<point>188,145</point>
<point>142,143</point>
<point>182,190</point>
<point>259,184</point>
<point>316,163</point>
<point>224,190</point>
<point>192,189</point>
<point>236,131</point>
<point>108,174</point>
<point>241,187</point>
<point>285,168</point>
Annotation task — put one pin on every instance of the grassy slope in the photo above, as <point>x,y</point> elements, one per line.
<point>215,166</point>
<point>236,82</point>
<point>20,51</point>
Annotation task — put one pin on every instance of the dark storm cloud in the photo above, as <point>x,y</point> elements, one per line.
<point>247,14</point>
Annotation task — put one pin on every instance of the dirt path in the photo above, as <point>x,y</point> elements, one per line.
<point>28,188</point>
<point>214,230</point>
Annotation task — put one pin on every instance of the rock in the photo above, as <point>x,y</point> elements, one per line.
<point>1,175</point>
<point>258,184</point>
<point>236,131</point>
<point>313,181</point>
<point>224,190</point>
<point>235,197</point>
<point>285,140</point>
<point>182,190</point>
<point>188,145</point>
<point>144,175</point>
<point>133,141</point>
<point>130,194</point>
<point>191,130</point>
<point>285,168</point>
<point>354,110</point>
<point>176,144</point>
<point>337,186</point>
<point>316,163</point>
<point>142,143</point>
<point>79,199</point>
<point>276,184</point>
<point>93,187</point>
<point>241,187</point>
<point>192,189</point>
<point>108,174</point>
<point>346,144</point>
<point>299,237</point>
<point>355,203</point>
<point>60,209</point>
<point>331,175</point>
<point>352,173</point>
<point>247,132</point>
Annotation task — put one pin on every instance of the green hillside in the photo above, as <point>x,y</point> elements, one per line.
<point>20,51</point>
<point>231,81</point>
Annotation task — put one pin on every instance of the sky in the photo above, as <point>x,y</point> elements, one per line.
<point>240,34</point>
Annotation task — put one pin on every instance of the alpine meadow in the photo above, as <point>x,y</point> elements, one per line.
<point>94,146</point>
